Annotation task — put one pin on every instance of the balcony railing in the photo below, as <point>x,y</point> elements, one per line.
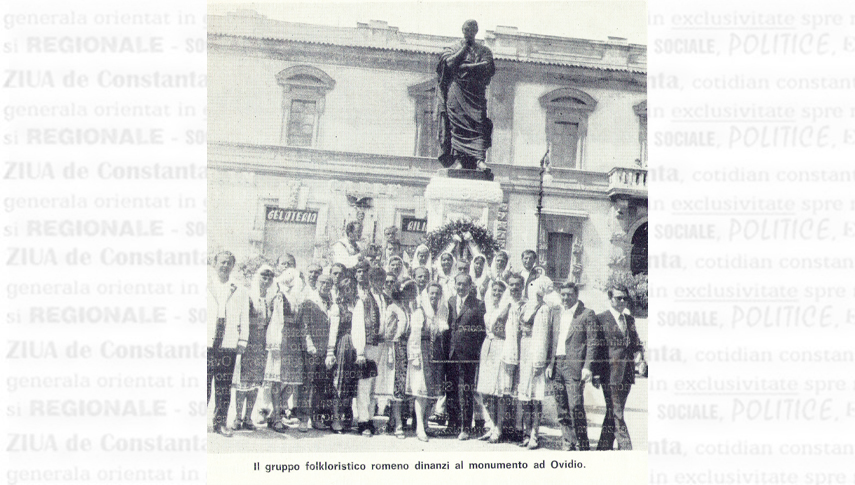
<point>628,182</point>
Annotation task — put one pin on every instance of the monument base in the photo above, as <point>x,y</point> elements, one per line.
<point>450,199</point>
<point>459,173</point>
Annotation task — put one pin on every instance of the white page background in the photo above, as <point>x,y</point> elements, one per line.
<point>715,416</point>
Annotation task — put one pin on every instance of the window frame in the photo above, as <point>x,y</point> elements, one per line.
<point>572,106</point>
<point>306,84</point>
<point>424,96</point>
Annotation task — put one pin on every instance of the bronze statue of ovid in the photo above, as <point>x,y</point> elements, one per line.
<point>463,73</point>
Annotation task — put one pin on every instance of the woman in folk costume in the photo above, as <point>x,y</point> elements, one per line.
<point>395,267</point>
<point>293,351</point>
<point>533,333</point>
<point>421,259</point>
<point>500,269</point>
<point>427,352</point>
<point>491,372</point>
<point>444,272</point>
<point>314,315</point>
<point>341,354</point>
<point>281,311</point>
<point>480,276</point>
<point>291,285</point>
<point>253,359</point>
<point>391,384</point>
<point>444,276</point>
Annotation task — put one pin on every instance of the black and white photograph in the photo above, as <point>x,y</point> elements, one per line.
<point>427,227</point>
<point>426,232</point>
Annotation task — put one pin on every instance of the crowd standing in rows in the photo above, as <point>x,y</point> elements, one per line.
<point>471,344</point>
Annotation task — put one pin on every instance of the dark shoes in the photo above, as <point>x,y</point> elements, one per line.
<point>365,429</point>
<point>480,427</point>
<point>277,426</point>
<point>320,425</point>
<point>439,419</point>
<point>245,424</point>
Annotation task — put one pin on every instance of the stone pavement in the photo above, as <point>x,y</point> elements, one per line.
<point>314,441</point>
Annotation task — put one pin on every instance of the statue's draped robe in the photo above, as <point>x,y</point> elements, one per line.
<point>463,126</point>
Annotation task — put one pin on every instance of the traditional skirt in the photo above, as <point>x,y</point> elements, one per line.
<point>425,380</point>
<point>530,386</point>
<point>293,354</point>
<point>253,359</point>
<point>391,371</point>
<point>491,372</point>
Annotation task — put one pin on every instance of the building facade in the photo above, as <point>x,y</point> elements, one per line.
<point>312,126</point>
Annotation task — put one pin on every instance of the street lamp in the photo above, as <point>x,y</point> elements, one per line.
<point>546,179</point>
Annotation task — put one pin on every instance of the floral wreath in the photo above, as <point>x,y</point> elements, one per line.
<point>438,239</point>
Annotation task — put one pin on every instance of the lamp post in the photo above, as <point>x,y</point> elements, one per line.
<point>545,180</point>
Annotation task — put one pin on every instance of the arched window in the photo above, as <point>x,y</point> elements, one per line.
<point>567,111</point>
<point>638,255</point>
<point>304,89</point>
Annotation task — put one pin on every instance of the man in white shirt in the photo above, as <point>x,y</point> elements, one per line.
<point>346,250</point>
<point>228,330</point>
<point>573,346</point>
<point>529,260</point>
<point>422,277</point>
<point>313,272</point>
<point>616,361</point>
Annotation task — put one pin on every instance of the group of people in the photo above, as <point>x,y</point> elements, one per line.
<point>465,343</point>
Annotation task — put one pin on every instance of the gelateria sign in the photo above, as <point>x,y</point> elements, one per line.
<point>293,216</point>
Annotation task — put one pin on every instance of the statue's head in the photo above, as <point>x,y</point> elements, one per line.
<point>470,28</point>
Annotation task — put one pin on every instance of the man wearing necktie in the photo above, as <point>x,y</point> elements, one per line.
<point>616,370</point>
<point>467,334</point>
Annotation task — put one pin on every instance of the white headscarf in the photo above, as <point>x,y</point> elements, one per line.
<point>439,274</point>
<point>291,286</point>
<point>414,263</point>
<point>502,274</point>
<point>261,303</point>
<point>480,282</point>
<point>539,287</point>
<point>494,308</point>
<point>440,316</point>
<point>404,274</point>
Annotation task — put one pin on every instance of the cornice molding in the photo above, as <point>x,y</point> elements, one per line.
<point>421,62</point>
<point>308,163</point>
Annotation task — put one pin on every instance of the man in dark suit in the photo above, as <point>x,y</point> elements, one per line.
<point>573,345</point>
<point>466,334</point>
<point>619,344</point>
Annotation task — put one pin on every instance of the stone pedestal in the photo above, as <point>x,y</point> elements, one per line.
<point>453,199</point>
